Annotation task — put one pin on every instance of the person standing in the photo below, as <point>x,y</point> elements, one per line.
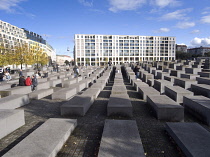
<point>136,70</point>
<point>34,82</point>
<point>20,72</point>
<point>76,71</point>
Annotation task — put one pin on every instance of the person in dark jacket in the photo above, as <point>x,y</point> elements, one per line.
<point>22,81</point>
<point>34,82</point>
<point>136,70</point>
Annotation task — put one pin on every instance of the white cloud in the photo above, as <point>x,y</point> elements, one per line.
<point>183,25</point>
<point>195,31</point>
<point>200,41</point>
<point>86,3</point>
<point>164,3</point>
<point>178,14</point>
<point>9,5</point>
<point>118,5</point>
<point>162,30</point>
<point>205,19</point>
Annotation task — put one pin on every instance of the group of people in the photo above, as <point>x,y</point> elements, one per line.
<point>29,81</point>
<point>5,75</point>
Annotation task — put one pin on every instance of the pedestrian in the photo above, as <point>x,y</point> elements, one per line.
<point>22,81</point>
<point>76,71</point>
<point>20,72</point>
<point>34,82</point>
<point>136,70</point>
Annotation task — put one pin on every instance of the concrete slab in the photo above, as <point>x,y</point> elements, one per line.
<point>165,108</point>
<point>78,105</point>
<point>201,89</point>
<point>16,90</point>
<point>121,138</point>
<point>10,120</point>
<point>177,93</point>
<point>43,85</point>
<point>5,86</point>
<point>147,91</point>
<point>160,85</point>
<point>14,101</point>
<point>119,89</point>
<point>119,104</point>
<point>189,76</point>
<point>192,138</point>
<point>64,94</point>
<point>203,80</point>
<point>184,82</point>
<point>92,92</point>
<point>46,141</point>
<point>199,106</point>
<point>39,94</point>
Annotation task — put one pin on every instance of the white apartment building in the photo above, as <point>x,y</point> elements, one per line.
<point>99,49</point>
<point>11,36</point>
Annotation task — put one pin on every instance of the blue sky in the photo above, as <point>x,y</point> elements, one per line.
<point>58,20</point>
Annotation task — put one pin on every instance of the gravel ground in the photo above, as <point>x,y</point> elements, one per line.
<point>85,139</point>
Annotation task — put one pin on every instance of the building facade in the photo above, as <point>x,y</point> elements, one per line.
<point>99,49</point>
<point>181,48</point>
<point>11,36</point>
<point>199,50</point>
<point>60,59</point>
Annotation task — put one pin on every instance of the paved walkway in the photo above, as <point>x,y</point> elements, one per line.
<point>85,140</point>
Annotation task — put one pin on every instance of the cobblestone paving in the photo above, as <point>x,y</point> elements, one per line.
<point>85,139</point>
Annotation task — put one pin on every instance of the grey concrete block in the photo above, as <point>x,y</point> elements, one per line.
<point>193,70</point>
<point>98,86</point>
<point>54,83</point>
<point>14,101</point>
<point>160,75</point>
<point>203,80</point>
<point>165,108</point>
<point>46,141</point>
<point>192,138</point>
<point>39,94</point>
<point>170,78</point>
<point>43,85</point>
<point>52,77</point>
<point>199,106</point>
<point>177,73</point>
<point>119,89</point>
<point>67,83</point>
<point>147,76</point>
<point>10,120</point>
<point>5,86</point>
<point>121,138</point>
<point>150,82</point>
<point>189,76</point>
<point>119,104</point>
<point>160,85</point>
<point>184,82</point>
<point>147,91</point>
<point>204,74</point>
<point>92,92</point>
<point>177,93</point>
<point>16,90</point>
<point>64,94</point>
<point>201,89</point>
<point>78,105</point>
<point>79,86</point>
<point>138,84</point>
